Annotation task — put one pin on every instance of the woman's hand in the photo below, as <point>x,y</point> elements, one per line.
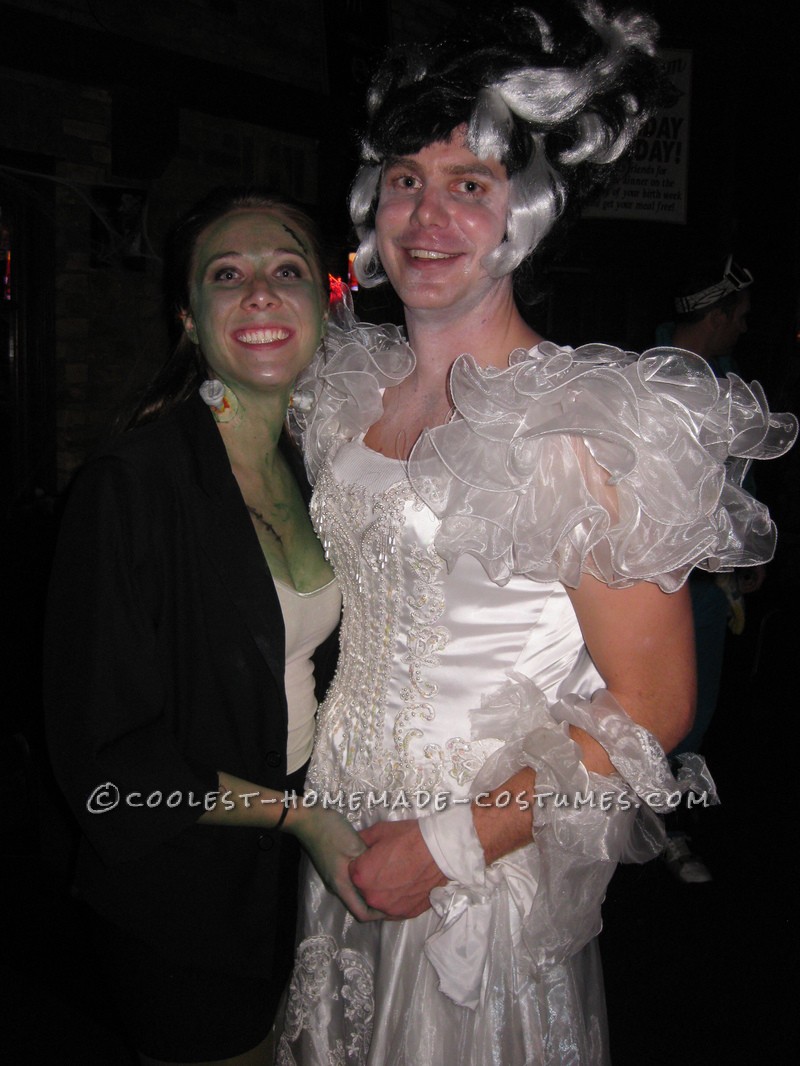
<point>326,836</point>
<point>331,843</point>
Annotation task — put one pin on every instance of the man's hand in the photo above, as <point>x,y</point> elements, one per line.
<point>397,873</point>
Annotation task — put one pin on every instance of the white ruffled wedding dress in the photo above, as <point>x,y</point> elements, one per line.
<point>462,661</point>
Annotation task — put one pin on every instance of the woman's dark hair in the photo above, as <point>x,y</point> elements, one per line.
<point>185,369</point>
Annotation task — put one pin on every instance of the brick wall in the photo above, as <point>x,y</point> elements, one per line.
<point>108,332</point>
<point>95,142</point>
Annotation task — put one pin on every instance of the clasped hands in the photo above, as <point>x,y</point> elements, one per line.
<point>386,871</point>
<point>396,872</point>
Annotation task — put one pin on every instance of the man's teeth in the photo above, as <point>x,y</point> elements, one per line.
<point>423,253</point>
<point>264,336</point>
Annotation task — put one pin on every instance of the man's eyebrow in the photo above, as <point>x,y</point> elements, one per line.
<point>472,168</point>
<point>400,161</point>
<point>456,169</point>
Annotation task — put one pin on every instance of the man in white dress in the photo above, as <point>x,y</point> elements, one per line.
<point>512,531</point>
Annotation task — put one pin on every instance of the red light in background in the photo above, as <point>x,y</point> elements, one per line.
<point>337,289</point>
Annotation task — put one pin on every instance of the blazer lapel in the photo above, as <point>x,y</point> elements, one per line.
<point>227,534</point>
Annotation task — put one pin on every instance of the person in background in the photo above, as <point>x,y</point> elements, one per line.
<point>188,595</point>
<point>711,312</point>
<point>512,529</point>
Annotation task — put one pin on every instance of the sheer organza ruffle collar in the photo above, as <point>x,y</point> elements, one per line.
<point>591,460</point>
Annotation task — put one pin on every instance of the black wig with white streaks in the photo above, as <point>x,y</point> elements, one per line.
<point>558,107</point>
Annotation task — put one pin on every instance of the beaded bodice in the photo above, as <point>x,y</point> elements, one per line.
<point>417,644</point>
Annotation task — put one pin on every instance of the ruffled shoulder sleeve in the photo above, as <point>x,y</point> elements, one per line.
<point>600,461</point>
<point>339,396</point>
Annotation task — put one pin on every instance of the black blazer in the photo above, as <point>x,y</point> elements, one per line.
<point>164,663</point>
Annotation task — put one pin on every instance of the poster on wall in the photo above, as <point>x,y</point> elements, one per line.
<point>654,185</point>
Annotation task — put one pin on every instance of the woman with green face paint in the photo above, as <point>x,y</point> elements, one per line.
<point>188,598</point>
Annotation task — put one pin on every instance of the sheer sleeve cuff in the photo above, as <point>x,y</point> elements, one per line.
<point>583,824</point>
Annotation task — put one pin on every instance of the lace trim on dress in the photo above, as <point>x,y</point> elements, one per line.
<point>307,1009</point>
<point>595,460</point>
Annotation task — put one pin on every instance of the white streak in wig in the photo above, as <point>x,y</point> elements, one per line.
<point>627,30</point>
<point>550,96</point>
<point>490,126</point>
<point>362,196</point>
<point>596,142</point>
<point>535,200</point>
<point>544,32</point>
<point>547,97</point>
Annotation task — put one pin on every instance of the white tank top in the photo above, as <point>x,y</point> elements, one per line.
<point>308,618</point>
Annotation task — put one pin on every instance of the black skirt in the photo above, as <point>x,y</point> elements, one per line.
<point>186,1013</point>
<point>181,1012</point>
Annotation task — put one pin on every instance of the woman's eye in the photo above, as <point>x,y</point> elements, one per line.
<point>226,274</point>
<point>472,188</point>
<point>288,271</point>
